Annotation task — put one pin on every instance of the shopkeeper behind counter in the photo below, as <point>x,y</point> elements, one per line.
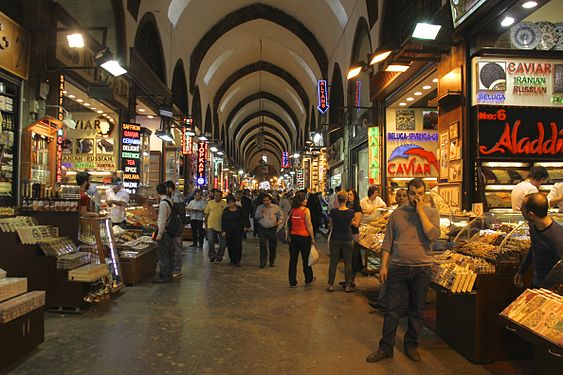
<point>117,199</point>
<point>83,180</point>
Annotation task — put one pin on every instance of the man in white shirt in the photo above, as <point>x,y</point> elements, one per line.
<point>555,196</point>
<point>370,204</point>
<point>536,177</point>
<point>117,199</point>
<point>195,209</point>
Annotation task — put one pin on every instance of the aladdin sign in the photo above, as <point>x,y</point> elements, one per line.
<point>525,133</point>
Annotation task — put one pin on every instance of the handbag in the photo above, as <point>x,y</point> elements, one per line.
<point>313,256</point>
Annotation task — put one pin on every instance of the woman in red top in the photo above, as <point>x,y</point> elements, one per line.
<point>301,237</point>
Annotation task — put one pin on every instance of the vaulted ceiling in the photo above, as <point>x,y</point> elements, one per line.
<point>257,65</point>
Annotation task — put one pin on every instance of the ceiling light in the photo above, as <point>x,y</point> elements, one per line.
<point>220,153</point>
<point>65,92</point>
<point>99,111</point>
<point>150,116</point>
<point>93,108</point>
<point>354,72</point>
<point>87,104</point>
<point>507,21</point>
<point>203,138</point>
<point>141,110</point>
<point>426,87</point>
<point>426,31</point>
<point>402,104</point>
<point>72,96</point>
<point>75,40</point>
<point>410,99</point>
<point>379,56</point>
<point>397,68</point>
<point>529,5</point>
<point>296,155</point>
<point>435,80</point>
<point>113,68</point>
<point>213,149</point>
<point>418,93</point>
<point>80,100</point>
<point>292,172</point>
<point>164,135</point>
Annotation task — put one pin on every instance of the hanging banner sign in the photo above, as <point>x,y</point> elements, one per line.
<point>374,155</point>
<point>217,162</point>
<point>285,159</point>
<point>358,94</point>
<point>201,160</point>
<point>322,105</point>
<point>184,141</point>
<point>131,155</point>
<point>60,139</point>
<point>189,145</point>
<point>517,133</point>
<point>300,179</point>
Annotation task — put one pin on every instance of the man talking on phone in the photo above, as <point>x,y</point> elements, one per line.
<point>406,267</point>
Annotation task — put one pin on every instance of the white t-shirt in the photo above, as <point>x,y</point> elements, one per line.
<point>519,192</point>
<point>197,205</point>
<point>117,213</point>
<point>555,192</point>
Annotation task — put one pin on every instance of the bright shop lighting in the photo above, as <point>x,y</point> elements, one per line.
<point>141,110</point>
<point>529,5</point>
<point>507,21</point>
<point>220,153</point>
<point>99,111</point>
<point>426,31</point>
<point>151,116</point>
<point>75,40</point>
<point>379,56</point>
<point>113,68</point>
<point>80,100</point>
<point>399,68</point>
<point>213,149</point>
<point>426,87</point>
<point>203,138</point>
<point>503,164</point>
<point>87,104</point>
<point>354,72</point>
<point>296,155</point>
<point>418,93</point>
<point>71,96</point>
<point>409,99</point>
<point>402,104</point>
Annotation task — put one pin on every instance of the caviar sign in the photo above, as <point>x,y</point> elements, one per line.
<point>520,133</point>
<point>131,155</point>
<point>522,82</point>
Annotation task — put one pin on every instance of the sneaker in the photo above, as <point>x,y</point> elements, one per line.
<point>211,260</point>
<point>378,356</point>
<point>293,286</point>
<point>413,354</point>
<point>177,274</point>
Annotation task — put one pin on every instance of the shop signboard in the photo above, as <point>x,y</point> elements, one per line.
<point>516,133</point>
<point>412,149</point>
<point>285,159</point>
<point>92,145</point>
<point>374,155</point>
<point>518,82</point>
<point>300,179</point>
<point>14,47</point>
<point>217,163</point>
<point>322,102</point>
<point>59,172</point>
<point>201,161</point>
<point>358,95</point>
<point>131,155</point>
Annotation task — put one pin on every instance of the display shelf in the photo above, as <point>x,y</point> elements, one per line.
<point>21,335</point>
<point>137,268</point>
<point>548,355</point>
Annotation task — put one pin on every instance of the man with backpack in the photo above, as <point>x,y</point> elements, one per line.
<point>170,225</point>
<point>179,207</point>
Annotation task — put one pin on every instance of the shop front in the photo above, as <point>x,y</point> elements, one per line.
<point>14,66</point>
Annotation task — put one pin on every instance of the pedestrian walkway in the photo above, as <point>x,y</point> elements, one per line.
<point>220,319</point>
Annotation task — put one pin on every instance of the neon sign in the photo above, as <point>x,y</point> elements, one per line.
<point>60,111</point>
<point>413,137</point>
<point>131,155</point>
<point>201,159</point>
<point>374,152</point>
<point>60,139</point>
<point>285,159</point>
<point>358,94</point>
<point>322,105</point>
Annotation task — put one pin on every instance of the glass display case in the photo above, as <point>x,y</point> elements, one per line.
<point>96,236</point>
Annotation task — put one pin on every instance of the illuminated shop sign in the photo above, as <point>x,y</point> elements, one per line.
<point>518,82</point>
<point>374,155</point>
<point>358,94</point>
<point>201,159</point>
<point>216,172</point>
<point>322,96</point>
<point>285,159</point>
<point>300,179</point>
<point>60,139</point>
<point>525,133</point>
<point>412,161</point>
<point>414,137</point>
<point>60,111</point>
<point>131,155</point>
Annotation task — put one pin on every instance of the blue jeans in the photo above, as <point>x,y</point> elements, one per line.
<point>212,237</point>
<point>404,283</point>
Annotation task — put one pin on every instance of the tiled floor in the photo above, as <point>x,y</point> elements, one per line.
<point>220,319</point>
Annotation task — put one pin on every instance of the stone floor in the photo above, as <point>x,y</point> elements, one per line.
<point>220,319</point>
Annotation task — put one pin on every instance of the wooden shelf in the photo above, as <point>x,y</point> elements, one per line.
<point>445,98</point>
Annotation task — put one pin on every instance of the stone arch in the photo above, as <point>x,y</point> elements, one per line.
<point>149,45</point>
<point>373,11</point>
<point>269,128</point>
<point>254,150</point>
<point>313,126</point>
<point>196,109</point>
<point>207,127</point>
<point>268,137</point>
<point>133,8</point>
<point>247,14</point>
<point>264,113</point>
<point>360,50</point>
<point>180,87</point>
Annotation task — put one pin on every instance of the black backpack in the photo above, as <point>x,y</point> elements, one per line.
<point>175,222</point>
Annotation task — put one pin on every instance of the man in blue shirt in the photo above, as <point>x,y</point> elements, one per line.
<point>547,240</point>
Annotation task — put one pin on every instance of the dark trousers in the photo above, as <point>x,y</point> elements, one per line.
<point>268,239</point>
<point>234,245</point>
<point>166,251</point>
<point>198,234</point>
<point>299,244</point>
<point>340,249</point>
<point>404,283</point>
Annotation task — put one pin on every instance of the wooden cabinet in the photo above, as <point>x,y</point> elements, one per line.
<point>21,335</point>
